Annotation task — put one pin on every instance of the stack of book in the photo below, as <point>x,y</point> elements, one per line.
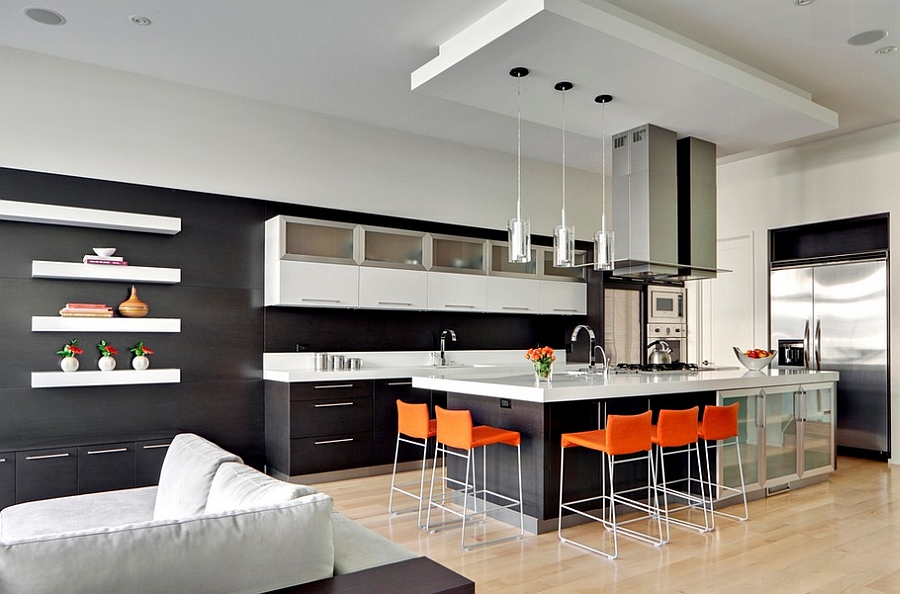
<point>86,310</point>
<point>95,259</point>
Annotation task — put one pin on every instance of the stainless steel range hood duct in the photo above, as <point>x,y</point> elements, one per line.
<point>664,232</point>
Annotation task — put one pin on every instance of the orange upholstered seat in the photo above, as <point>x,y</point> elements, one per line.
<point>413,420</point>
<point>456,431</point>
<point>414,427</point>
<point>719,422</point>
<point>719,429</point>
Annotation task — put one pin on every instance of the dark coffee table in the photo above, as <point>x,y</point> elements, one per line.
<point>413,576</point>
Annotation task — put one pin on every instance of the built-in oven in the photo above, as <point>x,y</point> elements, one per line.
<point>674,337</point>
<point>665,305</point>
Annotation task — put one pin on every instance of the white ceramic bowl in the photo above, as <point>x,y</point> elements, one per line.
<point>104,252</point>
<point>751,363</point>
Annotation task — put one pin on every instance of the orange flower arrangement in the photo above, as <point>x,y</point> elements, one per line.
<point>543,359</point>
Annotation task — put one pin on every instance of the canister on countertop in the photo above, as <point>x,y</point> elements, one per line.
<point>321,361</point>
<point>354,363</point>
<point>337,362</point>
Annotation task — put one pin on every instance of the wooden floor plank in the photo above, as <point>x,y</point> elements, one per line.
<point>835,537</point>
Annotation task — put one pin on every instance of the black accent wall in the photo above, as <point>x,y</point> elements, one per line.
<point>225,328</point>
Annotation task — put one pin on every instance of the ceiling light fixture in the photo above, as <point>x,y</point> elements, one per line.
<point>140,20</point>
<point>519,231</point>
<point>45,16</point>
<point>888,49</point>
<point>604,240</point>
<point>563,235</point>
<point>867,37</point>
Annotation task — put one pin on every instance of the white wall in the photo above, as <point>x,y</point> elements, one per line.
<point>68,117</point>
<point>848,176</point>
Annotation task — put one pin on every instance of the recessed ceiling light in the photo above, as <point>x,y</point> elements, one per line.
<point>140,20</point>
<point>867,37</point>
<point>888,49</point>
<point>45,16</point>
<point>802,2</point>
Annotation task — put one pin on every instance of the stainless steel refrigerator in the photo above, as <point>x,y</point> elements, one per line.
<point>834,316</point>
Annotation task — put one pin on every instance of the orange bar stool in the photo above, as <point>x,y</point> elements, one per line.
<point>719,429</point>
<point>416,428</point>
<point>456,436</point>
<point>676,433</point>
<point>624,435</point>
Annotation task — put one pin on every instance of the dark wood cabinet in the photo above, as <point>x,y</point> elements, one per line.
<point>318,426</point>
<point>148,461</point>
<point>105,467</point>
<point>387,392</point>
<point>42,474</point>
<point>7,479</point>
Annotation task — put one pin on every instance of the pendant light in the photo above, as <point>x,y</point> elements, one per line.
<point>604,240</point>
<point>563,235</point>
<point>519,230</point>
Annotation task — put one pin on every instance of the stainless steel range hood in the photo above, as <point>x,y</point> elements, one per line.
<point>664,205</point>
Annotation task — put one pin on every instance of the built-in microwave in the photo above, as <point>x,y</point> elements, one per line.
<point>665,304</point>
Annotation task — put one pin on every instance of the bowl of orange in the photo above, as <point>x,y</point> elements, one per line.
<point>754,359</point>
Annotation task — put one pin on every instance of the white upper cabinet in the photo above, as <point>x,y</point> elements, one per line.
<point>448,291</point>
<point>563,298</point>
<point>313,284</point>
<point>388,288</point>
<point>513,295</point>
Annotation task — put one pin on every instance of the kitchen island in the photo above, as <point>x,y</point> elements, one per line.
<point>786,424</point>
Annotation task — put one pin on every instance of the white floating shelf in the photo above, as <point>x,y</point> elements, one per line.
<point>52,214</point>
<point>61,324</point>
<point>60,379</point>
<point>104,272</point>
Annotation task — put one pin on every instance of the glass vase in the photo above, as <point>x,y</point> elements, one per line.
<point>543,373</point>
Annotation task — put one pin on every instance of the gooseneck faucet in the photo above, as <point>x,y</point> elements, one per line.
<point>592,363</point>
<point>443,343</point>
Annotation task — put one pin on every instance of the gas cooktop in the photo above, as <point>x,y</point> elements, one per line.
<point>677,367</point>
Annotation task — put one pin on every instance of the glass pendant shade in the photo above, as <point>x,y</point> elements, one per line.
<point>604,250</point>
<point>564,246</point>
<point>519,240</point>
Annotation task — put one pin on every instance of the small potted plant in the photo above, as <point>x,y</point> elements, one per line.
<point>108,352</point>
<point>69,352</point>
<point>140,351</point>
<point>542,358</point>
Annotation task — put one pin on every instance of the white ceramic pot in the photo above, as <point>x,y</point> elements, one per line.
<point>106,363</point>
<point>141,362</point>
<point>69,364</point>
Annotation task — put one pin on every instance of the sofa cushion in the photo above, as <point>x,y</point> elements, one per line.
<point>79,512</point>
<point>237,486</point>
<point>238,552</point>
<point>356,547</point>
<point>186,476</point>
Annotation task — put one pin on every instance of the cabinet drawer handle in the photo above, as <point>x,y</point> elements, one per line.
<point>564,309</point>
<point>311,300</point>
<point>326,442</point>
<point>333,386</point>
<point>2,460</point>
<point>403,303</point>
<point>47,456</point>
<point>516,308</point>
<point>460,305</point>
<point>156,446</point>
<point>332,404</point>
<point>399,383</point>
<point>112,451</point>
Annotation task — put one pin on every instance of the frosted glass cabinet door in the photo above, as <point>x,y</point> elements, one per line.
<point>749,434</point>
<point>781,437</point>
<point>818,429</point>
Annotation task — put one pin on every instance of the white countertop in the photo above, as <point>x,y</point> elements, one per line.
<point>502,382</point>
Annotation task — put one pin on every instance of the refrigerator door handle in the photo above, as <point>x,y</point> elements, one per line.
<point>817,345</point>
<point>806,345</point>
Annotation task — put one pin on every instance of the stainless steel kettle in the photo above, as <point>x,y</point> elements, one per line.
<point>661,353</point>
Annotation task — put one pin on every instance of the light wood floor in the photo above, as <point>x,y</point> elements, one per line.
<point>838,536</point>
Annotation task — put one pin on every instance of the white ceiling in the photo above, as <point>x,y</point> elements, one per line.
<point>354,58</point>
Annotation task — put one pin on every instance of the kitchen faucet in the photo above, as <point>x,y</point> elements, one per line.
<point>443,340</point>
<point>605,358</point>
<point>592,364</point>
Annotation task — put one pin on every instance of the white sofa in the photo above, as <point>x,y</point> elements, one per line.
<point>212,525</point>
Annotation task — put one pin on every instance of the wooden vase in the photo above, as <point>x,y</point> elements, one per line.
<point>134,307</point>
